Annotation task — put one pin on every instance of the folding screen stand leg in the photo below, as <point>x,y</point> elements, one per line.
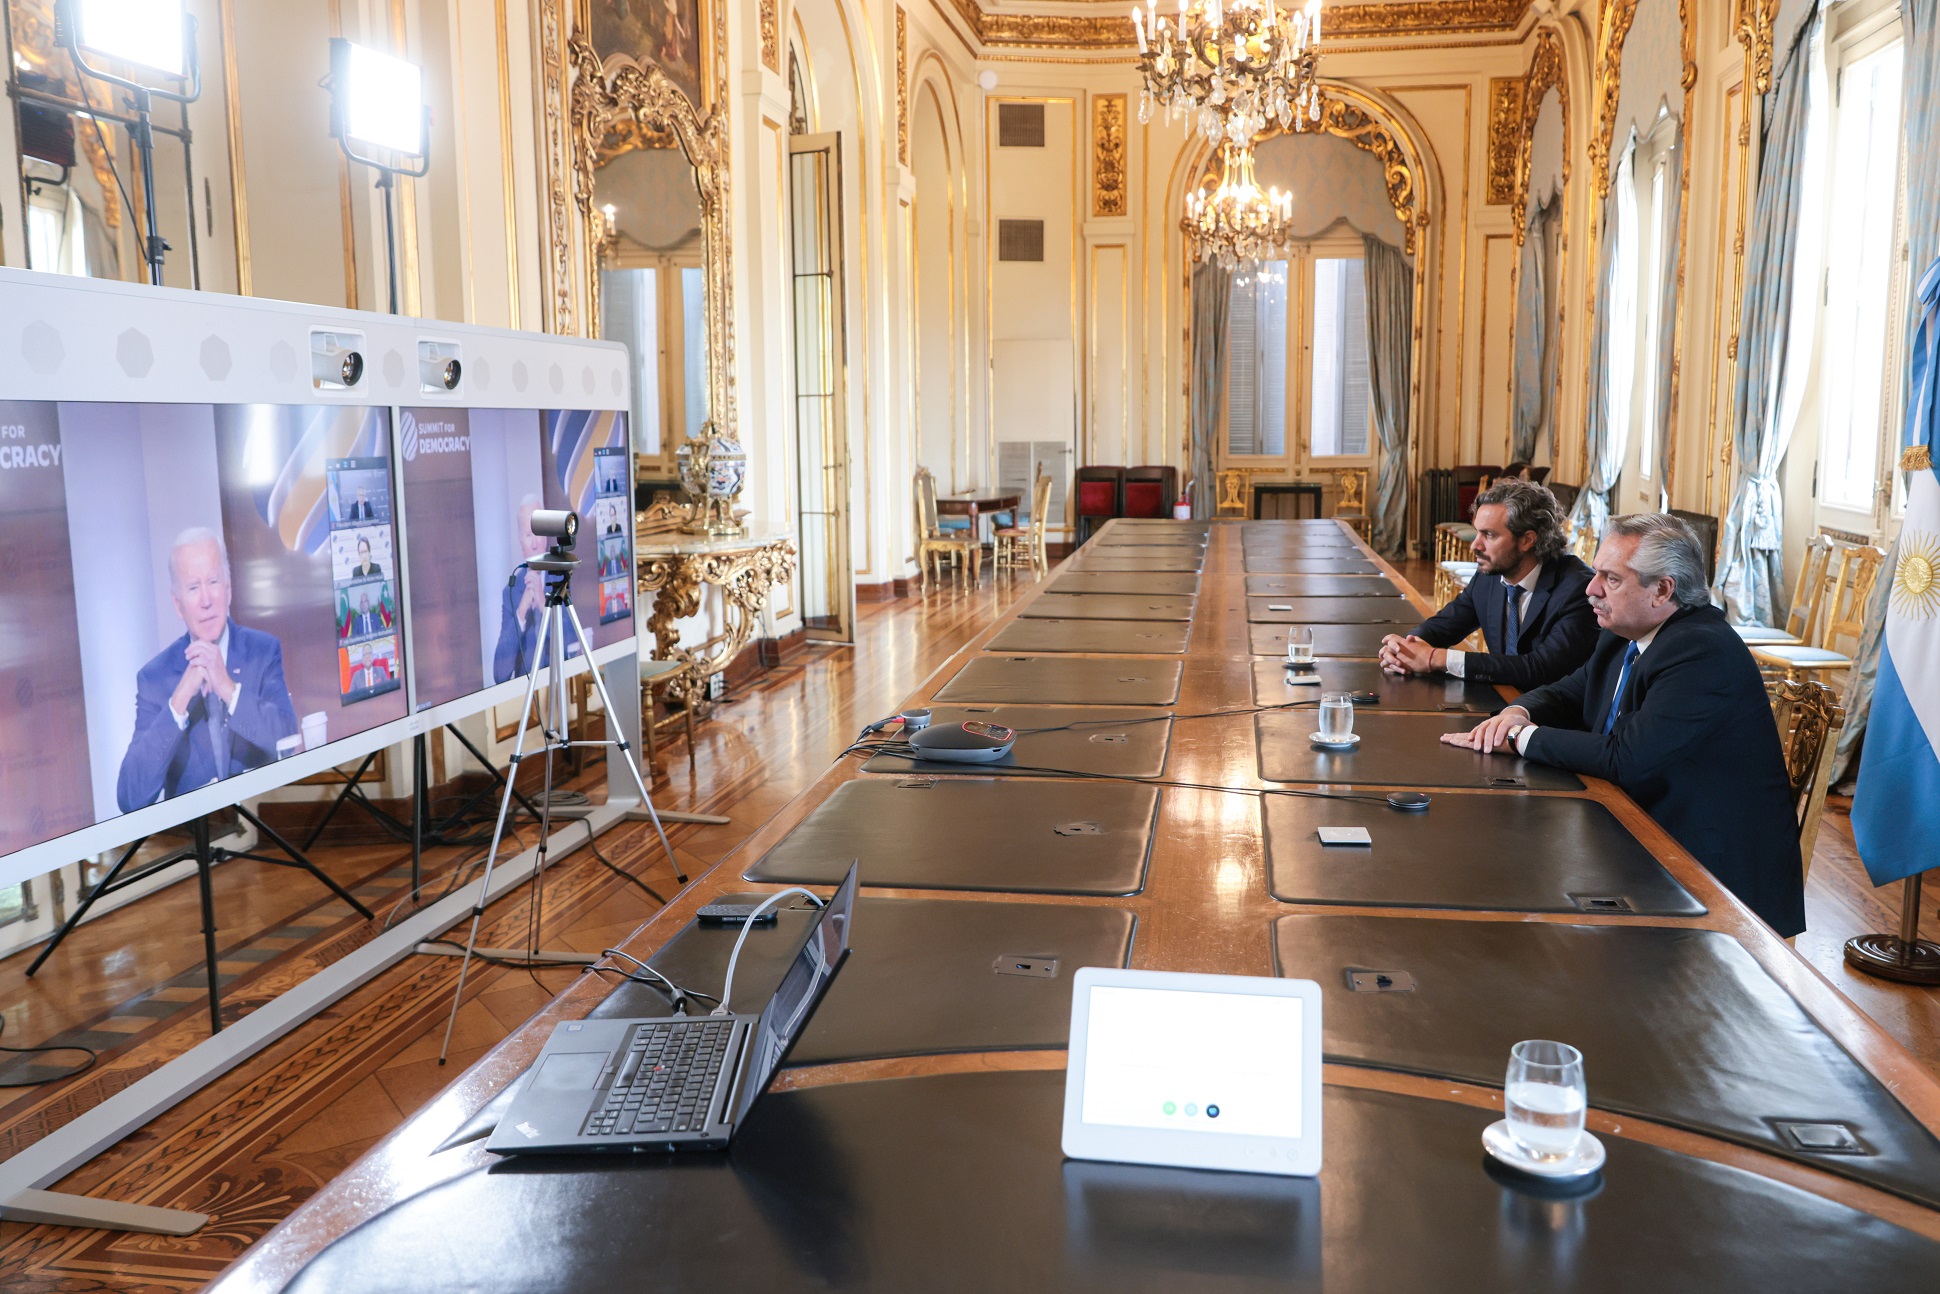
<point>491,768</point>
<point>418,793</point>
<point>105,886</point>
<point>53,1208</point>
<point>353,791</point>
<point>204,862</point>
<point>297,858</point>
<point>1907,959</point>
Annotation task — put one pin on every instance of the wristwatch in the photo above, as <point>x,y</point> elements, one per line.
<point>1515,734</point>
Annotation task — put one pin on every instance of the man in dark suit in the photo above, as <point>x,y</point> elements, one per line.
<point>1671,709</point>
<point>522,606</point>
<point>365,621</point>
<point>213,702</point>
<point>1527,598</point>
<point>360,509</point>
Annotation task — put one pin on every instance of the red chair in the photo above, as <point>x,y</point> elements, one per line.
<point>1468,484</point>
<point>1100,497</point>
<point>1150,491</point>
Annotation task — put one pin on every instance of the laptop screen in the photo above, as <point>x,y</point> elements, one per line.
<point>801,988</point>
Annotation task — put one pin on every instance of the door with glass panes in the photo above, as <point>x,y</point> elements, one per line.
<point>1298,403</point>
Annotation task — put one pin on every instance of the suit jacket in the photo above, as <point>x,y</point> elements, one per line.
<point>365,571</point>
<point>518,644</point>
<point>164,760</point>
<point>367,623</point>
<point>360,512</point>
<point>1695,746</point>
<point>1558,629</point>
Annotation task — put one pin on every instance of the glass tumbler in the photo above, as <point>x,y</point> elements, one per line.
<point>1545,1098</point>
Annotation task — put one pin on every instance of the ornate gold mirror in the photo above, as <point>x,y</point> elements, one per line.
<point>650,181</point>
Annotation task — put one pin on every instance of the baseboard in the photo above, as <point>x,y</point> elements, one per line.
<point>883,592</point>
<point>747,666</point>
<point>775,651</point>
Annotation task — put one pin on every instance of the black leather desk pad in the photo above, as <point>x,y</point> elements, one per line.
<point>1510,853</point>
<point>1395,750</point>
<point>1329,640</point>
<point>1350,562</point>
<point>1321,586</point>
<point>924,976</point>
<point>1331,611</point>
<point>1018,835</point>
<point>1147,539</point>
<point>1108,606</point>
<point>1116,741</point>
<point>1397,691</point>
<point>1290,543</point>
<point>955,1183</point>
<point>1138,583</point>
<point>1127,637</point>
<point>1052,680</point>
<point>1679,1026</point>
<point>1137,559</point>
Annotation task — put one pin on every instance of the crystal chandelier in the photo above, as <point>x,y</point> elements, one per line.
<point>1232,66</point>
<point>1238,223</point>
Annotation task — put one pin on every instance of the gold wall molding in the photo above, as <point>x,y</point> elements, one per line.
<point>1505,137</point>
<point>770,17</point>
<point>902,86</point>
<point>1612,31</point>
<point>1108,185</point>
<point>642,93</point>
<point>1398,18</point>
<point>555,156</point>
<point>1756,21</point>
<point>1546,72</point>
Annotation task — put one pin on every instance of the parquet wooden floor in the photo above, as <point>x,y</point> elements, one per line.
<point>259,1141</point>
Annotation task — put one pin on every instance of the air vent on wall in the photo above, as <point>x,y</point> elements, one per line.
<point>1020,125</point>
<point>1020,240</point>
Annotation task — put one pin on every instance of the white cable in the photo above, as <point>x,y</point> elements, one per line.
<point>727,986</point>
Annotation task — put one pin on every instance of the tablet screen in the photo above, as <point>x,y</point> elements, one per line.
<point>1186,1061</point>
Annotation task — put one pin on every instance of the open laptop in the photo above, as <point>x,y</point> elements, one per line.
<point>673,1082</point>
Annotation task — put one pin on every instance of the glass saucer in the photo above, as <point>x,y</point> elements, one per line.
<point>1348,742</point>
<point>1585,1159</point>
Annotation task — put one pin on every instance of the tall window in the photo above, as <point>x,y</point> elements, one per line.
<point>1297,370</point>
<point>1620,355</point>
<point>1654,322</point>
<point>1339,405</point>
<point>1860,352</point>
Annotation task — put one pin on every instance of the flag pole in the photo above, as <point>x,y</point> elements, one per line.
<point>1905,958</point>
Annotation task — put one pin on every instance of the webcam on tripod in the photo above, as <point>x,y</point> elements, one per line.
<point>562,527</point>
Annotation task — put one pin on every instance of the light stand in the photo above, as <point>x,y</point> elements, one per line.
<point>70,34</point>
<point>556,567</point>
<point>377,101</point>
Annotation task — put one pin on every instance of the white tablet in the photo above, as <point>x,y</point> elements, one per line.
<point>1197,1071</point>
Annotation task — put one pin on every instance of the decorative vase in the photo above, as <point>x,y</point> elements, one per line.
<point>713,469</point>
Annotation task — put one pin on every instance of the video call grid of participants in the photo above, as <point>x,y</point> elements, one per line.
<point>361,560</point>
<point>612,509</point>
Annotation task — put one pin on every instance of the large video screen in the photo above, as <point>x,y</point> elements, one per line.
<point>188,592</point>
<point>471,481</point>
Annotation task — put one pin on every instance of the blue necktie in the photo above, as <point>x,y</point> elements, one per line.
<point>1512,631</point>
<point>1623,681</point>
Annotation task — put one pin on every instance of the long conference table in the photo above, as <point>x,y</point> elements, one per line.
<point>1762,1134</point>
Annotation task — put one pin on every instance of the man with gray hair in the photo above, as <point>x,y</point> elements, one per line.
<point>1527,598</point>
<point>1671,709</point>
<point>213,702</point>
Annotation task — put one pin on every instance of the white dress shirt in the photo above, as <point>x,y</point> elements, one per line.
<point>1643,645</point>
<point>1457,661</point>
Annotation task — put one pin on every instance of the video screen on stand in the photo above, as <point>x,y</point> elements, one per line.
<point>191,592</point>
<point>471,480</point>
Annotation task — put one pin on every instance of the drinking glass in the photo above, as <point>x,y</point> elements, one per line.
<point>1300,645</point>
<point>1337,715</point>
<point>1545,1097</point>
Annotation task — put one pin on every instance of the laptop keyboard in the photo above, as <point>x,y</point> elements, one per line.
<point>667,1080</point>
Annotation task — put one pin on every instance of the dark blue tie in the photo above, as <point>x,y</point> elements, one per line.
<point>1623,681</point>
<point>1512,630</point>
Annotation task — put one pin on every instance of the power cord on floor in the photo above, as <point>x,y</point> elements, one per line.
<point>81,1068</point>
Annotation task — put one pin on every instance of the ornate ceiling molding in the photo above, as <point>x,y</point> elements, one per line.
<point>999,28</point>
<point>1546,73</point>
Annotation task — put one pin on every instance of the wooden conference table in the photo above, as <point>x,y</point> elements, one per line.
<point>1762,1133</point>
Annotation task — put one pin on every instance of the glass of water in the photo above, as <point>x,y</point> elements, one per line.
<point>1300,645</point>
<point>1545,1098</point>
<point>1336,716</point>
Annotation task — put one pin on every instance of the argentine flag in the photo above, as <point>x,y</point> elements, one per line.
<point>1899,771</point>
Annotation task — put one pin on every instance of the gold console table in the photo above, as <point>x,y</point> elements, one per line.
<point>676,568</point>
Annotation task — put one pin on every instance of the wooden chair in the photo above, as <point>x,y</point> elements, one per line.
<point>1100,496</point>
<point>933,543</point>
<point>1149,491</point>
<point>1231,494</point>
<point>669,674</point>
<point>1351,503</point>
<point>1809,717</point>
<point>1807,595</point>
<point>1844,620</point>
<point>1025,546</point>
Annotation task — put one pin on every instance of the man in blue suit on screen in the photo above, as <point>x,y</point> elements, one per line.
<point>213,702</point>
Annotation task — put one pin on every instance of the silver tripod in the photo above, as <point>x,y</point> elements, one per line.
<point>557,567</point>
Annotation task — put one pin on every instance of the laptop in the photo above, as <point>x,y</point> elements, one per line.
<point>672,1082</point>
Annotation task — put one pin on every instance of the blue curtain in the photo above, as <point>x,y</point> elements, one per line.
<point>1212,294</point>
<point>1751,576</point>
<point>1531,320</point>
<point>1666,357</point>
<point>1920,20</point>
<point>1603,444</point>
<point>1390,351</point>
